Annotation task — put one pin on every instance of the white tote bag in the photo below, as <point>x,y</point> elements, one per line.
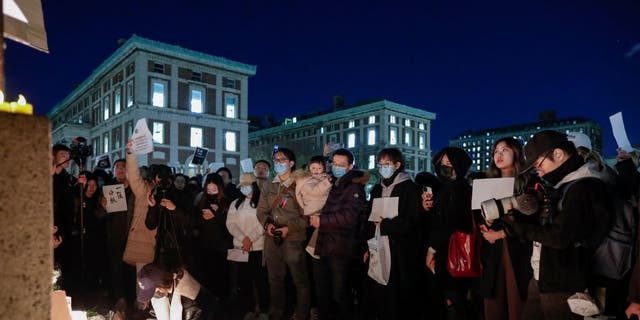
<point>379,258</point>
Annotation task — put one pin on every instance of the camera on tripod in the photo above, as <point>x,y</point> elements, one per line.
<point>79,151</point>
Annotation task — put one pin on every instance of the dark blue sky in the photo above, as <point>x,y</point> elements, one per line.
<point>475,64</point>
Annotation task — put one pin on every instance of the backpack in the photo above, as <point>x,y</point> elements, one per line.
<point>612,255</point>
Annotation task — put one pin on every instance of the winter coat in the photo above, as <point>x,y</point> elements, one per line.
<point>278,201</point>
<point>243,222</point>
<point>312,191</point>
<point>339,220</point>
<point>580,220</point>
<point>213,233</point>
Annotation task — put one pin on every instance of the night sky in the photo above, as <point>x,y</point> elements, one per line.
<point>476,64</point>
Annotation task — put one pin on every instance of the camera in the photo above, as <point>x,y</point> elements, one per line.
<point>493,209</point>
<point>79,150</point>
<point>277,234</point>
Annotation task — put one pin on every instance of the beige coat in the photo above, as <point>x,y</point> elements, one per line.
<point>140,248</point>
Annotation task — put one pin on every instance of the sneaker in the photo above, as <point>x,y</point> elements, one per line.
<point>310,250</point>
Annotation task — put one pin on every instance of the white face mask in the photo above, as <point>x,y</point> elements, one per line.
<point>246,190</point>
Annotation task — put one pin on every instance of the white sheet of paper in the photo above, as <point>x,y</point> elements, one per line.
<point>385,207</point>
<point>491,188</point>
<point>142,138</point>
<point>215,166</point>
<point>237,255</point>
<point>116,197</point>
<point>246,165</point>
<point>617,125</point>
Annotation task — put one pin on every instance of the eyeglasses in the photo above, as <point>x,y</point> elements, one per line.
<point>280,160</point>
<point>538,163</point>
<point>380,166</point>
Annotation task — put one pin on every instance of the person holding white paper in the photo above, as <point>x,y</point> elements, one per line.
<point>451,212</point>
<point>248,236</point>
<point>506,260</point>
<point>395,300</point>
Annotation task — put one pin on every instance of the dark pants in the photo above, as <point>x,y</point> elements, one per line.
<point>290,255</point>
<point>123,276</point>
<point>330,276</point>
<point>555,306</point>
<point>247,276</point>
<point>214,272</point>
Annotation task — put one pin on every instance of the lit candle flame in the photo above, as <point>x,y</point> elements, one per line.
<point>22,100</point>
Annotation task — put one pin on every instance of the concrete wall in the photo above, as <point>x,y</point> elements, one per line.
<point>26,215</point>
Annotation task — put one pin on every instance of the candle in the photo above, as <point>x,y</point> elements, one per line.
<point>20,106</point>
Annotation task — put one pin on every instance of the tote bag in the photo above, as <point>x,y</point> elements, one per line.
<point>379,258</point>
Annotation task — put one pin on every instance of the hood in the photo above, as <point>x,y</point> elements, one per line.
<point>356,176</point>
<point>458,158</point>
<point>588,170</point>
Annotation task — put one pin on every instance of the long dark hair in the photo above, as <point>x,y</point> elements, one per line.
<point>518,163</point>
<point>255,196</point>
<point>220,199</point>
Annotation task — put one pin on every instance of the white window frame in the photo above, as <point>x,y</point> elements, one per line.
<point>392,119</point>
<point>117,100</point>
<point>159,99</point>
<point>351,140</point>
<point>129,93</point>
<point>105,144</point>
<point>371,162</point>
<point>393,136</point>
<point>407,122</point>
<point>422,141</point>
<point>193,104</point>
<point>421,126</point>
<point>352,123</point>
<point>106,111</point>
<point>372,119</point>
<point>158,132</point>
<point>230,141</point>
<point>196,137</point>
<point>371,136</point>
<point>231,113</point>
<point>407,138</point>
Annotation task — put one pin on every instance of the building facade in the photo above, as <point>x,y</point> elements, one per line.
<point>478,143</point>
<point>189,99</point>
<point>363,129</point>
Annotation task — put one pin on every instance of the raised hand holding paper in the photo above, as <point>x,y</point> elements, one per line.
<point>617,125</point>
<point>142,138</point>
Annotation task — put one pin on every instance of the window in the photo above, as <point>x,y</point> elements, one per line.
<point>421,141</point>
<point>117,100</point>
<point>352,123</point>
<point>229,83</point>
<point>407,138</point>
<point>230,102</point>
<point>421,126</point>
<point>351,140</point>
<point>105,144</point>
<point>196,76</point>
<point>230,141</point>
<point>196,100</point>
<point>129,93</point>
<point>159,93</point>
<point>158,67</point>
<point>196,137</point>
<point>105,107</point>
<point>158,132</point>
<point>393,136</point>
<point>321,130</point>
<point>407,123</point>
<point>371,137</point>
<point>372,162</point>
<point>392,119</point>
<point>372,119</point>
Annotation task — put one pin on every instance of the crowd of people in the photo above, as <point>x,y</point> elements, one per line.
<point>296,243</point>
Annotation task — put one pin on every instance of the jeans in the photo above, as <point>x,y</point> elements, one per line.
<point>330,277</point>
<point>288,255</point>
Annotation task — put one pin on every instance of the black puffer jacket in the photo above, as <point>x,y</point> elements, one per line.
<point>340,215</point>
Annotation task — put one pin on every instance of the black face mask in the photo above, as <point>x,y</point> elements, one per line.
<point>445,173</point>
<point>212,198</point>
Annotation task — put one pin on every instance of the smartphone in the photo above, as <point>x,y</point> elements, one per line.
<point>427,190</point>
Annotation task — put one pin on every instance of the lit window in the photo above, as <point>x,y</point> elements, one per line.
<point>351,140</point>
<point>392,119</point>
<point>196,100</point>
<point>393,136</point>
<point>421,141</point>
<point>105,106</point>
<point>352,124</point>
<point>129,93</point>
<point>407,123</point>
<point>321,130</point>
<point>158,95</point>
<point>106,142</point>
<point>230,141</point>
<point>158,132</point>
<point>117,100</point>
<point>421,126</point>
<point>230,102</point>
<point>372,161</point>
<point>372,119</point>
<point>407,139</point>
<point>196,137</point>
<point>371,137</point>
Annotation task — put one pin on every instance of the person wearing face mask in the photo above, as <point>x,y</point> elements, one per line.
<point>451,212</point>
<point>213,239</point>
<point>336,230</point>
<point>396,299</point>
<point>248,235</point>
<point>312,189</point>
<point>285,226</point>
